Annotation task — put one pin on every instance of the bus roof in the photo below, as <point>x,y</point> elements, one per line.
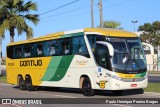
<point>103,31</point>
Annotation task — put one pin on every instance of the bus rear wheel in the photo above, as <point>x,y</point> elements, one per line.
<point>21,83</point>
<point>30,87</point>
<point>87,88</point>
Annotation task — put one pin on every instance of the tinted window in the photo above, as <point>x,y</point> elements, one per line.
<point>79,46</point>
<point>40,49</point>
<point>27,50</point>
<point>93,39</point>
<point>46,48</point>
<point>66,46</point>
<point>18,52</point>
<point>10,52</point>
<point>102,56</point>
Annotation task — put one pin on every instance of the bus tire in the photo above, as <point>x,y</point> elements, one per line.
<point>21,83</point>
<point>30,87</point>
<point>87,88</point>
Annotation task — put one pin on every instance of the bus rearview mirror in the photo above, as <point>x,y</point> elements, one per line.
<point>109,46</point>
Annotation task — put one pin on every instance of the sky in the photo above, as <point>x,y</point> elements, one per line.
<point>78,15</point>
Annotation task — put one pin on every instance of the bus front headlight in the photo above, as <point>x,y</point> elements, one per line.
<point>114,76</point>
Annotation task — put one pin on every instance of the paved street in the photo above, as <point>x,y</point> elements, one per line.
<point>12,91</point>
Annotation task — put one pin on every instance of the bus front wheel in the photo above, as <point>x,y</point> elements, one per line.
<point>87,88</point>
<point>21,83</point>
<point>30,87</point>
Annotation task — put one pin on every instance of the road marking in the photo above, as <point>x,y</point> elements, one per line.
<point>4,84</point>
<point>65,96</point>
<point>120,105</point>
<point>16,105</point>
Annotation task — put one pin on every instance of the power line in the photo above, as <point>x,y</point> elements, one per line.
<point>64,18</point>
<point>117,4</point>
<point>60,7</point>
<point>66,12</point>
<point>113,5</point>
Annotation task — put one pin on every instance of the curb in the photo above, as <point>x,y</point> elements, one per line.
<point>152,93</point>
<point>153,74</point>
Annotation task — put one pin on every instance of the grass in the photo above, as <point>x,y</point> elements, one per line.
<point>153,87</point>
<point>3,79</point>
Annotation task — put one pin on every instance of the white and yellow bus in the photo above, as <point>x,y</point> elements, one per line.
<point>90,59</point>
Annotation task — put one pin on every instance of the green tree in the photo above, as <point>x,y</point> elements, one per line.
<point>111,24</point>
<point>151,33</point>
<point>13,16</point>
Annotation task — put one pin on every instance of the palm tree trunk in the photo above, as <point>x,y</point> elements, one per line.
<point>12,34</point>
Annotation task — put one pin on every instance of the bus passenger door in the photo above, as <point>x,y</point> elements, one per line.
<point>103,60</point>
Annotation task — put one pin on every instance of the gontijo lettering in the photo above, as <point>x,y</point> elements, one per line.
<point>31,63</point>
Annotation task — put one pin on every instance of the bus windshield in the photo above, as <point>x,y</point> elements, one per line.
<point>128,55</point>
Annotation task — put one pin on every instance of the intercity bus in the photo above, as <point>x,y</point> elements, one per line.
<point>90,59</point>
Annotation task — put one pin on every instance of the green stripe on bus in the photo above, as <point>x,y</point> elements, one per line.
<point>63,67</point>
<point>72,35</point>
<point>52,68</point>
<point>141,74</point>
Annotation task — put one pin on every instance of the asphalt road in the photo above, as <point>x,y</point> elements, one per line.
<point>12,91</point>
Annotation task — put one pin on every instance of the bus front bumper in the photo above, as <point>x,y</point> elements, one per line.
<point>124,85</point>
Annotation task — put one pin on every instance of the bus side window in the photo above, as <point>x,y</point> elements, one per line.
<point>79,46</point>
<point>40,49</point>
<point>46,48</point>
<point>66,46</point>
<point>10,52</point>
<point>27,50</point>
<point>18,52</point>
<point>51,47</point>
<point>33,50</point>
<point>58,47</point>
<point>92,42</point>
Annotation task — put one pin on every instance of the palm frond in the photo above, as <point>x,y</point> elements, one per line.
<point>4,26</point>
<point>3,3</point>
<point>28,6</point>
<point>17,2</point>
<point>33,18</point>
<point>29,32</point>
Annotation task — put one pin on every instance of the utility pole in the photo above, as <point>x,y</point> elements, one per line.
<point>92,15</point>
<point>101,13</point>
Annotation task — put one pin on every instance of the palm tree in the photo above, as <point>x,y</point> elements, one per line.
<point>13,16</point>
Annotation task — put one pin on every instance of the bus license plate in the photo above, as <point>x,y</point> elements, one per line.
<point>133,85</point>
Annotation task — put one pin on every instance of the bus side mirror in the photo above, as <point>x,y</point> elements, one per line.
<point>109,46</point>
